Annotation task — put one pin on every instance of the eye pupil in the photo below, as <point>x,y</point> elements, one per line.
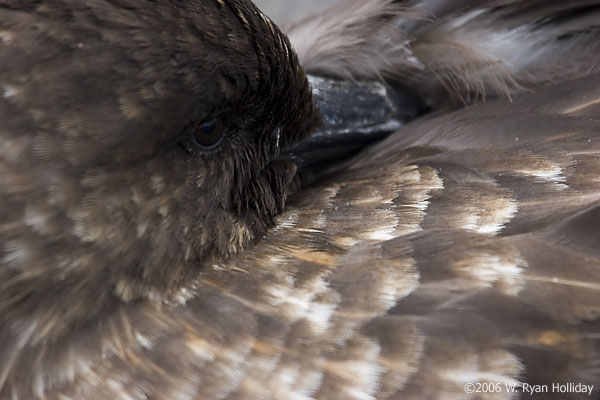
<point>209,134</point>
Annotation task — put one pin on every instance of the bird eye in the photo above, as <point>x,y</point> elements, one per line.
<point>209,134</point>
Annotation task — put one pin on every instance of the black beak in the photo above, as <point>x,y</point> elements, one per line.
<point>355,115</point>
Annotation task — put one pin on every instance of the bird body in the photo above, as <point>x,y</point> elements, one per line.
<point>138,264</point>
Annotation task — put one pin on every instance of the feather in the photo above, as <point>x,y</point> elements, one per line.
<point>454,50</point>
<point>358,41</point>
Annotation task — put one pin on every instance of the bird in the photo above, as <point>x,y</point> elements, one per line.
<point>165,234</point>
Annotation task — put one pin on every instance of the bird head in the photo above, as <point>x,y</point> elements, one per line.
<point>139,144</point>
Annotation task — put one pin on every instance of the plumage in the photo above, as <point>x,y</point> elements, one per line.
<point>463,249</point>
<point>453,50</point>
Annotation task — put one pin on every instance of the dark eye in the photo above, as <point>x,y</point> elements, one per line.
<point>208,135</point>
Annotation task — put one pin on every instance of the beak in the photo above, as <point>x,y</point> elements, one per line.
<point>355,115</point>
